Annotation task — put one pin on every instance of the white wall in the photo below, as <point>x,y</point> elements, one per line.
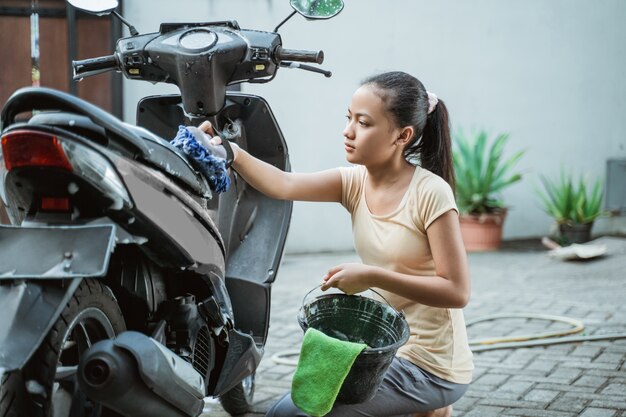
<point>551,73</point>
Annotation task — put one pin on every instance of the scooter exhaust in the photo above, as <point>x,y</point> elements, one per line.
<point>135,376</point>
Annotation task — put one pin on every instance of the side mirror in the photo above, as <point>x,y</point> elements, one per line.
<point>97,7</point>
<point>317,9</point>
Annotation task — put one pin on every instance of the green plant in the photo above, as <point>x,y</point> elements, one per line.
<point>568,201</point>
<point>482,172</point>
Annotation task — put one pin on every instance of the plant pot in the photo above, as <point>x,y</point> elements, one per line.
<point>575,232</point>
<point>482,232</point>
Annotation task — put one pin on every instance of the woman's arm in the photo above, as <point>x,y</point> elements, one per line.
<point>271,181</point>
<point>281,185</point>
<point>449,288</point>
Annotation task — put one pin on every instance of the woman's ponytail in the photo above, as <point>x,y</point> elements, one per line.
<point>435,147</point>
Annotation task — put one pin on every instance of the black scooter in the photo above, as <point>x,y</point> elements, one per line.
<point>127,285</point>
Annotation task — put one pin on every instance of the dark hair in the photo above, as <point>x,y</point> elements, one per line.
<point>406,100</point>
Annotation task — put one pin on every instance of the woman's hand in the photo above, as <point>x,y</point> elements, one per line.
<point>350,278</point>
<point>215,140</point>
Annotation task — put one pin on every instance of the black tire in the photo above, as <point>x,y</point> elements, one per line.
<point>11,395</point>
<point>91,315</point>
<point>238,399</point>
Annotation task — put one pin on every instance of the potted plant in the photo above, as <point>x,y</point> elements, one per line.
<point>481,174</point>
<point>572,206</point>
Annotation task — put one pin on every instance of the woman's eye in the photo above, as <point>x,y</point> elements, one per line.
<point>348,117</point>
<point>362,123</point>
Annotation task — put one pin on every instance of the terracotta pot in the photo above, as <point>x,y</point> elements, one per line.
<point>482,232</point>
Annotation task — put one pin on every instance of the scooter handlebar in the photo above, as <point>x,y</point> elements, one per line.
<point>298,55</point>
<point>93,66</point>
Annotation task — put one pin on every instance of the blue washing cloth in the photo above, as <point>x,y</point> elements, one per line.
<point>212,167</point>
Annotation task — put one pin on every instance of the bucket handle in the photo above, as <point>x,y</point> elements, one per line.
<point>371,289</point>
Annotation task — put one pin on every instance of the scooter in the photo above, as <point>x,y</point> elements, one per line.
<point>128,286</point>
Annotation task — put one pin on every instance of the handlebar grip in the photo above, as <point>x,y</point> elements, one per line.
<point>92,66</point>
<point>298,55</point>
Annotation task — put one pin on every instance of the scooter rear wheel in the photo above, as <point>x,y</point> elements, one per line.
<point>238,399</point>
<point>91,315</point>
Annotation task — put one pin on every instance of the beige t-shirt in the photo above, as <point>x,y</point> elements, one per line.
<point>398,242</point>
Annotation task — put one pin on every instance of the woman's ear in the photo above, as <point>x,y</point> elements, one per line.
<point>406,134</point>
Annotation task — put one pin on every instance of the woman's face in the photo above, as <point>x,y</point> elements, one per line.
<point>370,137</point>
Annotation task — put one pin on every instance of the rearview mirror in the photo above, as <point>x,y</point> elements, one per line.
<point>317,9</point>
<point>97,7</point>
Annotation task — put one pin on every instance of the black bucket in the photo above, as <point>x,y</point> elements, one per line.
<point>358,319</point>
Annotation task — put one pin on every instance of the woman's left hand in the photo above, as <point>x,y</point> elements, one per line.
<point>350,278</point>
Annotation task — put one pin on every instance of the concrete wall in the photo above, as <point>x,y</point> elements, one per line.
<point>551,73</point>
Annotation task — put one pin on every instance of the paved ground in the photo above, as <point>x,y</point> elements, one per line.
<point>585,379</point>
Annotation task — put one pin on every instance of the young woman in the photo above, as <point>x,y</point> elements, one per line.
<point>406,232</point>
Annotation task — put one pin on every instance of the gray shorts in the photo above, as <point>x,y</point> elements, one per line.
<point>405,390</point>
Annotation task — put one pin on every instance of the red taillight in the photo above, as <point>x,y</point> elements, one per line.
<point>29,148</point>
<point>55,204</point>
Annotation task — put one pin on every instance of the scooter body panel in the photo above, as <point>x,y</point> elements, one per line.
<point>176,218</point>
<point>253,226</point>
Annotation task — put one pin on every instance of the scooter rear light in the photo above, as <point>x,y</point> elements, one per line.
<point>30,148</point>
<point>55,204</point>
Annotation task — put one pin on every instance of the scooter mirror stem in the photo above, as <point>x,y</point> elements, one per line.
<point>283,22</point>
<point>131,28</point>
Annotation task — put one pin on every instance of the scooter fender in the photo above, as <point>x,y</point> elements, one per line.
<point>29,310</point>
<point>40,269</point>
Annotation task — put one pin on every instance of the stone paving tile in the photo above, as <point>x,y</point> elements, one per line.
<point>464,404</point>
<point>541,395</point>
<point>615,389</point>
<point>492,380</point>
<point>483,411</point>
<point>616,375</point>
<point>595,365</point>
<point>510,403</point>
<point>567,374</point>
<point>567,389</point>
<point>587,351</point>
<point>530,412</point>
<point>541,366</point>
<point>572,405</point>
<point>609,358</point>
<point>614,405</point>
<point>598,412</point>
<point>513,386</point>
<point>591,381</point>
